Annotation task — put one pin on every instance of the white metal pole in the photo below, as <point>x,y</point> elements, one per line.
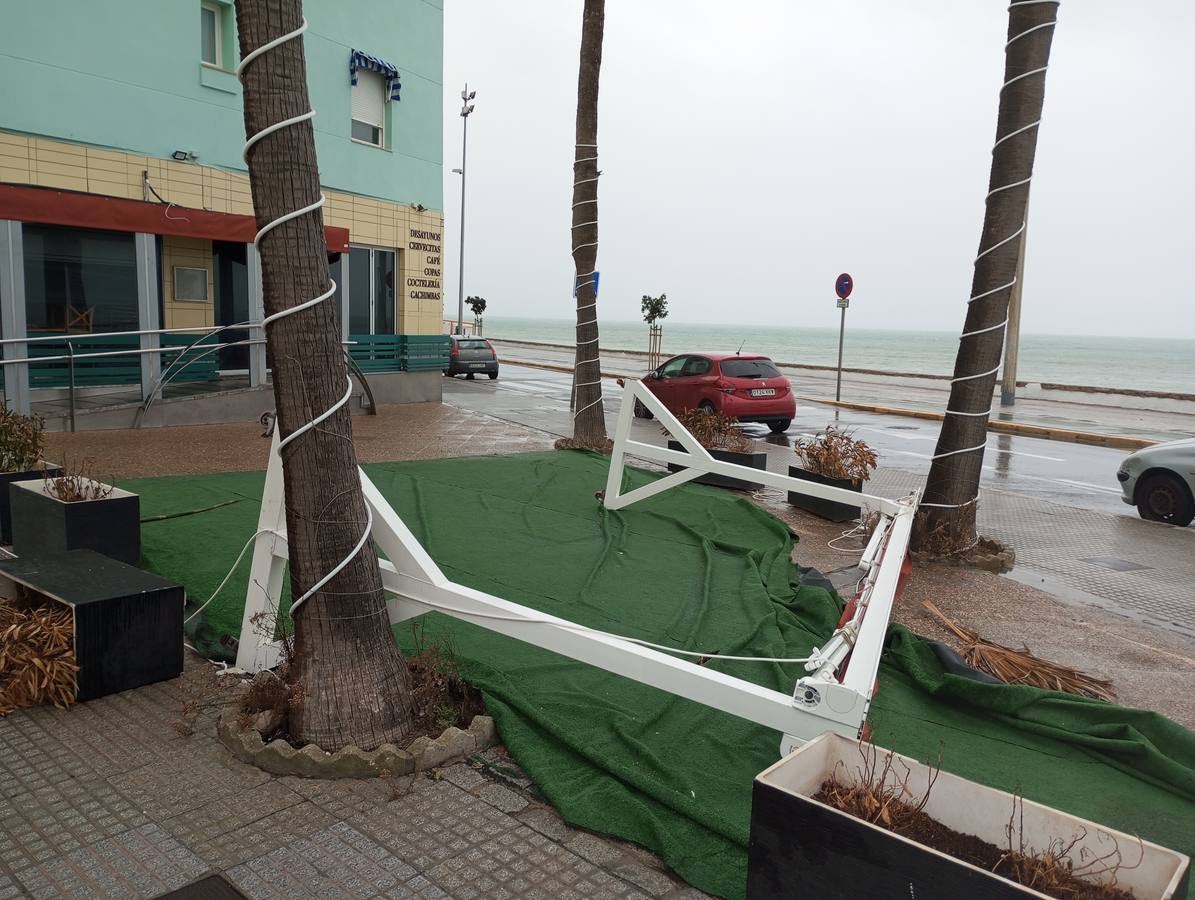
<point>841,330</point>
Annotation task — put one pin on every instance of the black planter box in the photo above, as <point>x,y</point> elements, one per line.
<point>7,478</point>
<point>802,848</point>
<point>128,623</point>
<point>827,509</point>
<point>45,524</point>
<point>757,460</point>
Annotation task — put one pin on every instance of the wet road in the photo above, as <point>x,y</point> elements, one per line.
<point>1074,475</point>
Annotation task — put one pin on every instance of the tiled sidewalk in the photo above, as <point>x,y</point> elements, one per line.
<point>108,799</point>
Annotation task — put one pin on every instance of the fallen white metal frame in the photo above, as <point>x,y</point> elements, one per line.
<point>824,700</point>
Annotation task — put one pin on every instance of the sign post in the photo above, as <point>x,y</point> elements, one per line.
<point>842,287</point>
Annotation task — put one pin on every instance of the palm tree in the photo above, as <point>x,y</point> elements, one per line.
<point>589,418</point>
<point>354,680</point>
<point>945,523</point>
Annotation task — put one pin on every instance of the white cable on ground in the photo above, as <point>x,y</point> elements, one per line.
<point>860,529</point>
<point>586,275</point>
<point>308,304</point>
<point>987,250</point>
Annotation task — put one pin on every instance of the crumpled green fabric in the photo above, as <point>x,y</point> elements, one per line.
<point>703,569</point>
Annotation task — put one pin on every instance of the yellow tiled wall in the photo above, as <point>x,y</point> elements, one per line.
<point>193,253</point>
<point>378,223</point>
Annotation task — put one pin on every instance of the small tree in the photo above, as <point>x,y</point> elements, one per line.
<point>654,308</point>
<point>477,304</point>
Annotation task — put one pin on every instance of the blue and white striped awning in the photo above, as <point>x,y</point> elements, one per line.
<point>359,60</point>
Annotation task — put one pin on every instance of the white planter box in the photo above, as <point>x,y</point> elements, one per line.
<point>800,847</point>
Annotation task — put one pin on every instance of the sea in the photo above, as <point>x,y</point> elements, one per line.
<point>1153,364</point>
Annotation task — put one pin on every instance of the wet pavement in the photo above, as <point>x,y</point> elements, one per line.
<point>1056,503</point>
<point>1122,415</point>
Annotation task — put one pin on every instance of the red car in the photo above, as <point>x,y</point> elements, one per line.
<point>746,386</point>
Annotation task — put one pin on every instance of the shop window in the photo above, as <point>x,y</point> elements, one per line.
<point>369,109</point>
<point>372,274</point>
<point>79,281</point>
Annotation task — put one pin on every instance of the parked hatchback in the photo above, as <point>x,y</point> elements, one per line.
<point>745,386</point>
<point>1160,481</point>
<point>471,356</point>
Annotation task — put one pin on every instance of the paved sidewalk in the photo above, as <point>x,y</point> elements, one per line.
<point>108,799</point>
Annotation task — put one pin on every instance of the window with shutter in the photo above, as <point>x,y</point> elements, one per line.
<point>369,108</point>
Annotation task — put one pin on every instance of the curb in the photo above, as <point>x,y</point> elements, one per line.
<point>279,758</point>
<point>1024,429</point>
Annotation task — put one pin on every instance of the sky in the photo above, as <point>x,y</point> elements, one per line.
<point>751,151</point>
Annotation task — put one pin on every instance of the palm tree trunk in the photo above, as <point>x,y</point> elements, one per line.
<point>946,521</point>
<point>589,419</point>
<point>353,678</point>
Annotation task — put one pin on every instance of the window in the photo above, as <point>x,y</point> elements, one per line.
<point>211,34</point>
<point>749,368</point>
<point>190,284</point>
<point>697,365</point>
<point>79,281</point>
<point>672,368</point>
<point>369,109</point>
<point>371,291</point>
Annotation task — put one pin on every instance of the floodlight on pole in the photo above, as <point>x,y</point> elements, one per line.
<point>466,108</point>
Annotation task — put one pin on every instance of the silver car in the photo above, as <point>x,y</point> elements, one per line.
<point>1160,481</point>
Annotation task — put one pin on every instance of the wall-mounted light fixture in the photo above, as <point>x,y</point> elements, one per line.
<point>184,155</point>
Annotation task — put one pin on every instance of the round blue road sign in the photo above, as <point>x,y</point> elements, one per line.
<point>844,285</point>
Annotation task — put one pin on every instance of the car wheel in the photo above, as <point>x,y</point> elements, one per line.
<point>469,376</point>
<point>641,411</point>
<point>493,375</point>
<point>779,426</point>
<point>707,406</point>
<point>1162,497</point>
<point>447,374</point>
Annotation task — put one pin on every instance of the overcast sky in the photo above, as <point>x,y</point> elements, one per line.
<point>751,151</point>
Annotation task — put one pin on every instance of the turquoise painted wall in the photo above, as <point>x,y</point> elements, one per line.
<point>126,75</point>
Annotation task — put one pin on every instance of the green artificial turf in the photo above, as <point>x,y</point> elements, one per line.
<point>701,569</point>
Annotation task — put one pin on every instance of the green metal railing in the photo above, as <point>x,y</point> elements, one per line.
<point>400,352</point>
<point>112,369</point>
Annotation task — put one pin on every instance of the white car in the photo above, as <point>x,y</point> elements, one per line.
<point>1160,481</point>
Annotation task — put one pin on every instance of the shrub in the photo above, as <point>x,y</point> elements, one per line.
<point>714,431</point>
<point>22,440</point>
<point>836,454</point>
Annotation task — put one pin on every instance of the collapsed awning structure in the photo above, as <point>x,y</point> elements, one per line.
<point>833,696</point>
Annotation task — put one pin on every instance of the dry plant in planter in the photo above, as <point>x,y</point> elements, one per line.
<point>77,483</point>
<point>836,454</point>
<point>881,795</point>
<point>37,655</point>
<point>714,431</point>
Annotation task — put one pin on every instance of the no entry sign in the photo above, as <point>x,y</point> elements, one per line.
<point>844,285</point>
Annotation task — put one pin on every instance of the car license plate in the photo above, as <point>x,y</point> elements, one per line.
<point>477,365</point>
<point>763,392</point>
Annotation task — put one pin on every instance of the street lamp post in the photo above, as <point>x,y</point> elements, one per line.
<point>466,108</point>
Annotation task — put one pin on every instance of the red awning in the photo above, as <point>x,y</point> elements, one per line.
<point>47,206</point>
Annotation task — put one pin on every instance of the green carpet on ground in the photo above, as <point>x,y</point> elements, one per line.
<point>702,569</point>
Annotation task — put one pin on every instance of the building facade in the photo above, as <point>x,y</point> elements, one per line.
<point>125,204</point>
